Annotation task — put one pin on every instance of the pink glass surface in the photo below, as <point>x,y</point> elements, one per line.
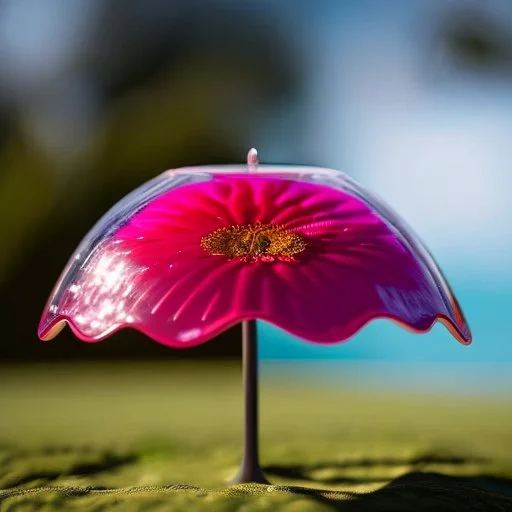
<point>143,266</point>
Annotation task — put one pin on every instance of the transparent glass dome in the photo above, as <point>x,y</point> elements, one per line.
<point>199,249</point>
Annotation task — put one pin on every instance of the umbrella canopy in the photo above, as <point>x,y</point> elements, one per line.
<point>199,249</point>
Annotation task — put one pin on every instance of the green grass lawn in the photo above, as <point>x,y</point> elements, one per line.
<point>167,436</point>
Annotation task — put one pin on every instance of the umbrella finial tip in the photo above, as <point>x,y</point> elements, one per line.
<point>252,158</point>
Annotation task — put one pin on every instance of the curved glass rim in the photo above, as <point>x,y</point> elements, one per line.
<point>256,170</point>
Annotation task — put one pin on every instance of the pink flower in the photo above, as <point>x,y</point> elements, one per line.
<point>309,252</point>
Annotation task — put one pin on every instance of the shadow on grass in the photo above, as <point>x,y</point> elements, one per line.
<point>309,472</point>
<point>433,491</point>
<point>417,490</point>
<point>17,466</point>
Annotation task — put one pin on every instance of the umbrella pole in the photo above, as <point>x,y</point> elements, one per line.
<point>250,471</point>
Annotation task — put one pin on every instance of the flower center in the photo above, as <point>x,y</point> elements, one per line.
<point>254,242</point>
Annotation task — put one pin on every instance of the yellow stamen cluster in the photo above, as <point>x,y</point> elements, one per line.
<point>265,242</point>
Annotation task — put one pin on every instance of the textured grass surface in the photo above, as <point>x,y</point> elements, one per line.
<point>167,437</point>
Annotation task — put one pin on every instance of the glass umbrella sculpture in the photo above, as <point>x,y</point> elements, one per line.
<point>197,250</point>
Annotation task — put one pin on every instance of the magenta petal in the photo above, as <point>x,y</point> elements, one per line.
<point>143,265</point>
